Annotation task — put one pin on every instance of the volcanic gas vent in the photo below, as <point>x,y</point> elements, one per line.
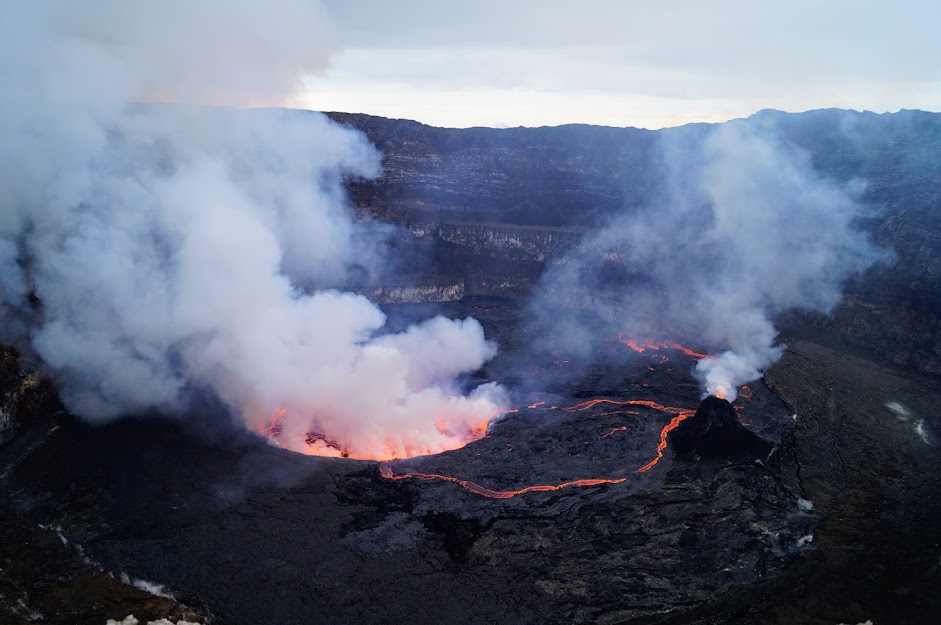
<point>713,432</point>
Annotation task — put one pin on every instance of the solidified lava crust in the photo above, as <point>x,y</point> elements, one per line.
<point>334,541</point>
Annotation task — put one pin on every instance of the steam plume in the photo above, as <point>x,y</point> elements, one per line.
<point>747,229</point>
<point>180,249</point>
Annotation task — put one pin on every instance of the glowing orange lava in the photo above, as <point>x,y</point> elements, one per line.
<point>680,414</point>
<point>745,392</point>
<point>675,421</point>
<point>313,438</point>
<point>319,443</point>
<point>591,403</point>
<point>386,471</point>
<point>642,345</point>
<point>273,428</point>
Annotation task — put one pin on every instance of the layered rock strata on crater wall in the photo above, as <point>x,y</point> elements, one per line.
<point>498,205</point>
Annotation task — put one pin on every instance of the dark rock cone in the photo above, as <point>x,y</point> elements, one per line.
<point>714,432</point>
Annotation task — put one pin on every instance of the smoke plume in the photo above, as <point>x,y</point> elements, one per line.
<point>153,252</point>
<point>746,229</point>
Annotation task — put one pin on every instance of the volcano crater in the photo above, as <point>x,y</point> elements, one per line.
<point>562,510</point>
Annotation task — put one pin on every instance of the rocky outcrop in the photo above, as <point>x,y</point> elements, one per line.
<point>47,579</point>
<point>714,432</point>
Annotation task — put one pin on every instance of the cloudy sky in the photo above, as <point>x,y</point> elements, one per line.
<point>625,62</point>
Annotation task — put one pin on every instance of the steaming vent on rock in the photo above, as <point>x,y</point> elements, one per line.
<point>715,432</point>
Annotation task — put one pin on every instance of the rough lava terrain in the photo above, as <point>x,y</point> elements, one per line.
<point>835,524</point>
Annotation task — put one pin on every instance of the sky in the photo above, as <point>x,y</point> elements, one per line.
<point>648,64</point>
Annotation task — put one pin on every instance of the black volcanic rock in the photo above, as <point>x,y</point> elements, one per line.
<point>714,432</point>
<point>331,540</point>
<point>540,185</point>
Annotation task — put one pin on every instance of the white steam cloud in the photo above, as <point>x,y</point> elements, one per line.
<point>748,229</point>
<point>174,249</point>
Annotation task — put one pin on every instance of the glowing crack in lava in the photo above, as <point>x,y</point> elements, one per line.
<point>640,345</point>
<point>318,444</point>
<point>386,471</point>
<point>679,415</point>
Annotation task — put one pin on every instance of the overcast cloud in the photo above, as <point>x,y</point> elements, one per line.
<point>626,63</point>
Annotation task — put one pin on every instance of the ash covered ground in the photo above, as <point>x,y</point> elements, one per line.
<point>837,524</point>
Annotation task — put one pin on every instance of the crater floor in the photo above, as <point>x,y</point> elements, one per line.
<point>837,524</point>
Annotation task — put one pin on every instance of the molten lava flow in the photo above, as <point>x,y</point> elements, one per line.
<point>275,425</point>
<point>745,392</point>
<point>386,471</point>
<point>313,438</point>
<point>538,405</point>
<point>632,344</point>
<point>642,345</point>
<point>591,403</point>
<point>675,421</point>
<point>680,414</point>
<point>319,444</point>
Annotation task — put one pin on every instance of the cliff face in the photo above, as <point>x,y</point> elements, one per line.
<point>496,259</point>
<point>496,241</point>
<point>493,207</point>
<point>564,176</point>
<point>414,294</point>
